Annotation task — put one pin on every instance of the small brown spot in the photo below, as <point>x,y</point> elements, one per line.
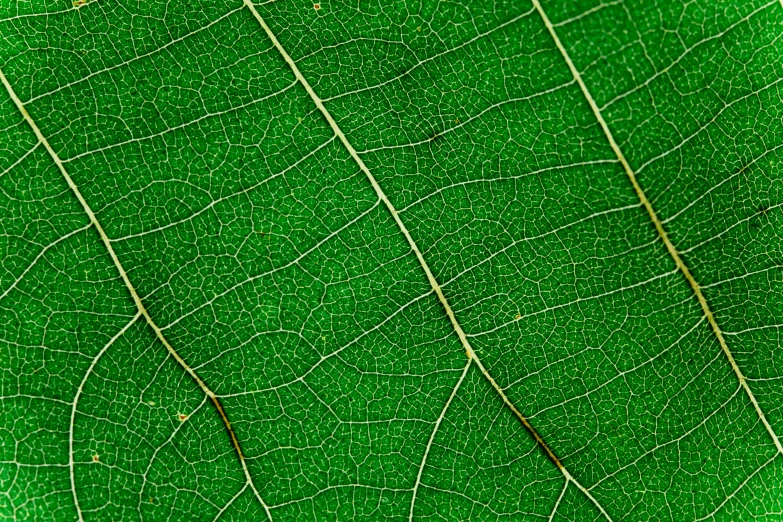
<point>182,417</point>
<point>95,458</point>
<point>518,316</point>
<point>456,121</point>
<point>316,6</point>
<point>79,3</point>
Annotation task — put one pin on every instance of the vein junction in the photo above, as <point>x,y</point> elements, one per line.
<point>679,262</point>
<point>464,339</point>
<point>471,354</point>
<point>136,299</point>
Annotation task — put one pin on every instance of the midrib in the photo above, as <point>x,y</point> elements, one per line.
<point>469,352</point>
<point>136,299</point>
<point>679,262</point>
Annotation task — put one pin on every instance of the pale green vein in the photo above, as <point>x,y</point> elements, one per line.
<point>136,299</point>
<point>659,225</point>
<point>430,277</point>
<point>432,437</point>
<point>75,405</point>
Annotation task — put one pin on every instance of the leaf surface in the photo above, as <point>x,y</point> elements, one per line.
<point>391,260</point>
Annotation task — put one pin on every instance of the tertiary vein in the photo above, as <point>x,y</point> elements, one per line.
<point>471,354</point>
<point>473,358</point>
<point>679,262</point>
<point>136,299</point>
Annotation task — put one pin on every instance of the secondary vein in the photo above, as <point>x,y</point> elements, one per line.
<point>471,354</point>
<point>679,262</point>
<point>136,299</point>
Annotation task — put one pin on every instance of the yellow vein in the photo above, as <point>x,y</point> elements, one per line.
<point>76,403</point>
<point>471,354</point>
<point>557,503</point>
<point>659,225</point>
<point>40,255</point>
<point>131,289</point>
<point>432,437</point>
<point>539,440</point>
<point>228,504</point>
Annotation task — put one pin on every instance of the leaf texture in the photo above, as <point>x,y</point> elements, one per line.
<point>482,260</point>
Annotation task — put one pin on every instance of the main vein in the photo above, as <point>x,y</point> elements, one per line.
<point>136,299</point>
<point>659,226</point>
<point>471,354</point>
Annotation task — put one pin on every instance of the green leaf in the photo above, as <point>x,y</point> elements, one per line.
<point>391,260</point>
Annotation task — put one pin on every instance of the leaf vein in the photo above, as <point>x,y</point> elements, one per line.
<point>675,254</point>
